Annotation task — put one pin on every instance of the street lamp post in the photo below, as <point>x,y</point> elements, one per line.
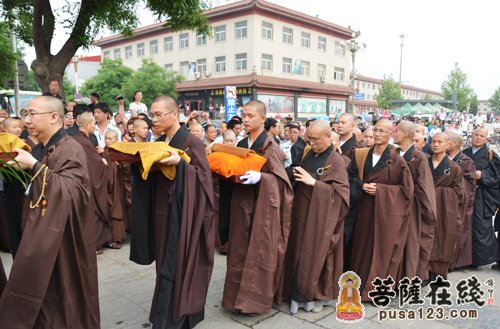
<point>353,46</point>
<point>75,61</point>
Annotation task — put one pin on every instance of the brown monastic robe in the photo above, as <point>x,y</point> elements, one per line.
<point>116,197</point>
<point>99,182</point>
<point>382,222</point>
<point>3,277</point>
<point>174,227</point>
<point>53,280</point>
<point>314,258</point>
<point>449,185</point>
<point>422,218</point>
<point>258,234</point>
<point>463,248</point>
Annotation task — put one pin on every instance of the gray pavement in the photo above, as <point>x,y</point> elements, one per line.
<point>125,291</point>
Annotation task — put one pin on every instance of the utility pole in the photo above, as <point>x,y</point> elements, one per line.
<point>401,58</point>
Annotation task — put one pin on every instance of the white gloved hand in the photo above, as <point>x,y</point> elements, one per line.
<point>250,177</point>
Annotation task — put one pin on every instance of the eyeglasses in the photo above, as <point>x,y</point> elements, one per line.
<point>30,114</point>
<point>377,130</point>
<point>158,116</point>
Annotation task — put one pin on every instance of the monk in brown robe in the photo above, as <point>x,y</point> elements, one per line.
<point>348,144</point>
<point>260,224</point>
<point>3,277</point>
<point>448,181</point>
<point>463,249</point>
<point>422,218</point>
<point>116,193</point>
<point>384,189</point>
<point>53,280</point>
<point>314,256</point>
<point>99,178</point>
<point>174,226</point>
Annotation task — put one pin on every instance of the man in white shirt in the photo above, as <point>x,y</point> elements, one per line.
<point>102,117</point>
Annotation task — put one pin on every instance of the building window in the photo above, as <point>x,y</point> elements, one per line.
<point>220,33</point>
<point>305,40</point>
<point>305,68</point>
<point>140,49</point>
<point>107,54</point>
<point>168,44</point>
<point>321,70</point>
<point>184,40</point>
<point>220,64</point>
<point>169,67</point>
<point>287,65</point>
<point>128,52</point>
<point>184,69</point>
<point>338,74</point>
<point>201,40</point>
<point>241,29</point>
<point>201,65</point>
<point>153,47</point>
<point>287,35</point>
<point>322,44</point>
<point>241,62</point>
<point>267,62</point>
<point>339,49</point>
<point>117,53</point>
<point>267,30</point>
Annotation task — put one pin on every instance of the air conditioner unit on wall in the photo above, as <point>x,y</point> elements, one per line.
<point>322,78</point>
<point>197,75</point>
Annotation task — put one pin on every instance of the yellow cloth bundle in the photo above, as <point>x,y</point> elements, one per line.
<point>9,142</point>
<point>150,154</point>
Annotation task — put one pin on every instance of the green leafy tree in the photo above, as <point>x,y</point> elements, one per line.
<point>8,57</point>
<point>32,83</point>
<point>108,81</point>
<point>389,90</point>
<point>473,104</point>
<point>35,23</point>
<point>152,80</point>
<point>69,88</point>
<point>457,84</point>
<point>495,100</point>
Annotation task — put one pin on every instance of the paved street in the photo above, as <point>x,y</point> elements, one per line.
<point>125,291</point>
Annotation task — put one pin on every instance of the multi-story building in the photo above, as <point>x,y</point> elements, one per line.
<point>293,62</point>
<point>367,89</point>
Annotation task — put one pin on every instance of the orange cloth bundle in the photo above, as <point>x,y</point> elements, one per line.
<point>8,143</point>
<point>229,161</point>
<point>150,154</point>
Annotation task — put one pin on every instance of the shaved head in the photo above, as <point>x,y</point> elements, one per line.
<point>384,124</point>
<point>481,130</point>
<point>455,138</point>
<point>322,125</point>
<point>408,127</point>
<point>347,116</point>
<point>443,136</point>
<point>258,106</point>
<point>169,102</point>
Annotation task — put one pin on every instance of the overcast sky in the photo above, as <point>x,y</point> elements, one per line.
<point>437,34</point>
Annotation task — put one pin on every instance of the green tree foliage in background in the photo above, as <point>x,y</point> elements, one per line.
<point>152,80</point>
<point>108,82</point>
<point>8,57</point>
<point>457,83</point>
<point>32,83</point>
<point>389,90</point>
<point>495,100</point>
<point>35,22</point>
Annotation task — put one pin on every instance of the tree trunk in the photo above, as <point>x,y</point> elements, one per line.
<point>46,70</point>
